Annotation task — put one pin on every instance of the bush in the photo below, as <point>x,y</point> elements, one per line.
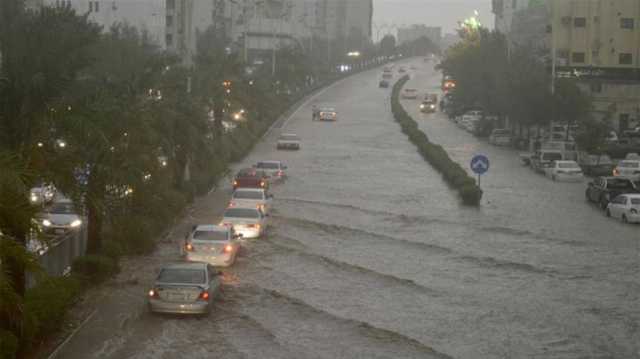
<point>8,345</point>
<point>95,268</point>
<point>437,157</point>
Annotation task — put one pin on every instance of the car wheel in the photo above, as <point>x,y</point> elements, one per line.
<point>586,195</point>
<point>608,212</point>
<point>603,203</point>
<point>624,219</point>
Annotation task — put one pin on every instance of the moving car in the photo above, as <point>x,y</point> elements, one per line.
<point>603,189</point>
<point>216,245</point>
<point>184,288</point>
<point>42,194</point>
<point>402,69</point>
<point>383,83</point>
<point>288,141</point>
<point>629,169</point>
<point>387,75</point>
<point>60,218</point>
<point>595,165</point>
<point>564,171</point>
<point>543,158</point>
<point>249,222</point>
<point>428,106</point>
<point>626,207</point>
<point>410,93</point>
<point>327,114</point>
<point>273,169</point>
<point>500,137</point>
<point>251,198</point>
<point>251,178</point>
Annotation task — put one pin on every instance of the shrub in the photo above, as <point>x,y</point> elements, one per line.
<point>435,154</point>
<point>95,268</point>
<point>8,345</point>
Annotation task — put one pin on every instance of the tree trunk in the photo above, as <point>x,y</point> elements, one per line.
<point>94,229</point>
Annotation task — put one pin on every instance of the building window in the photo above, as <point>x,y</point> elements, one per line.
<point>90,6</point>
<point>514,4</point>
<point>169,40</point>
<point>577,57</point>
<point>596,87</point>
<point>626,23</point>
<point>171,4</point>
<point>579,22</point>
<point>626,59</point>
<point>169,20</point>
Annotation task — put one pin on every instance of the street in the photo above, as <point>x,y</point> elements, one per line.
<point>369,254</point>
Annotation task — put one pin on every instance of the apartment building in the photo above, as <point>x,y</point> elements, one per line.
<point>598,42</point>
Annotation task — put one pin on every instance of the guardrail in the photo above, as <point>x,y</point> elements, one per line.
<point>59,253</point>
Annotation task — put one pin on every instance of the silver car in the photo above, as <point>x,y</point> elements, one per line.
<point>184,288</point>
<point>60,218</point>
<point>249,222</point>
<point>273,169</point>
<point>251,198</point>
<point>216,245</point>
<point>288,141</point>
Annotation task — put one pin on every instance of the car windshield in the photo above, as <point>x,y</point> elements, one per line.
<point>289,137</point>
<point>629,164</point>
<point>62,208</point>
<point>551,156</point>
<point>246,172</point>
<point>268,165</point>
<point>210,235</point>
<point>241,213</point>
<point>619,183</point>
<point>181,275</point>
<point>247,194</point>
<point>568,165</point>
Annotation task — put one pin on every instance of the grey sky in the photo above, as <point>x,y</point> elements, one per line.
<point>444,13</point>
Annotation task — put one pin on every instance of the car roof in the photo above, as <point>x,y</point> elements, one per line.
<point>249,189</point>
<point>631,195</point>
<point>185,265</point>
<point>211,228</point>
<point>288,134</point>
<point>270,161</point>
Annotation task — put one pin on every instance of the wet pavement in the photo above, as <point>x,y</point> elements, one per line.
<point>370,255</point>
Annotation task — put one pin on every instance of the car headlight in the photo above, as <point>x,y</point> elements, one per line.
<point>34,197</point>
<point>421,106</point>
<point>46,222</point>
<point>76,223</point>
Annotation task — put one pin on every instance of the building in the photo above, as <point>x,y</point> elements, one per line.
<point>504,11</point>
<point>523,22</point>
<point>414,32</point>
<point>598,42</point>
<point>184,19</point>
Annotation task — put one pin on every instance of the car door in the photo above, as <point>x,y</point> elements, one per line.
<point>617,206</point>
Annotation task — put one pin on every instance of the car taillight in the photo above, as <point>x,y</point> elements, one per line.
<point>232,204</point>
<point>235,183</point>
<point>188,247</point>
<point>280,173</point>
<point>225,224</point>
<point>204,295</point>
<point>228,248</point>
<point>261,183</point>
<point>153,293</point>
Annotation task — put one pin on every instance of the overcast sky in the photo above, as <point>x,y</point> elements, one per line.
<point>444,13</point>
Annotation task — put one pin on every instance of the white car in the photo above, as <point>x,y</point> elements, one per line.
<point>288,141</point>
<point>626,207</point>
<point>629,169</point>
<point>42,194</point>
<point>410,94</point>
<point>564,171</point>
<point>60,218</point>
<point>251,198</point>
<point>327,114</point>
<point>273,169</point>
<point>632,156</point>
<point>500,137</point>
<point>249,222</point>
<point>216,245</point>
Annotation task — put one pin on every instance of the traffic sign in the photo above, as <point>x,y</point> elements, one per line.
<point>480,164</point>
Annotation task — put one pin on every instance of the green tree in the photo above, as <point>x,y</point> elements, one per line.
<point>388,45</point>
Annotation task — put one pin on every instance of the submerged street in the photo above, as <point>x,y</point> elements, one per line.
<point>369,254</point>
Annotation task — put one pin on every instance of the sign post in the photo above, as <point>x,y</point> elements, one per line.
<point>479,165</point>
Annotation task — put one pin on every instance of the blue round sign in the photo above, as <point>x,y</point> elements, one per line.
<point>479,164</point>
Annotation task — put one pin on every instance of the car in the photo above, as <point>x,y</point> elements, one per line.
<point>184,288</point>
<point>632,156</point>
<point>626,207</point>
<point>60,218</point>
<point>427,107</point>
<point>595,165</point>
<point>216,245</point>
<point>413,67</point>
<point>603,189</point>
<point>383,83</point>
<point>564,171</point>
<point>500,137</point>
<point>327,114</point>
<point>251,198</point>
<point>402,69</point>
<point>288,141</point>
<point>251,178</point>
<point>387,75</point>
<point>42,194</point>
<point>629,169</point>
<point>249,222</point>
<point>410,93</point>
<point>273,169</point>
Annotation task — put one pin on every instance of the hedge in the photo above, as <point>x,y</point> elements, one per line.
<point>451,171</point>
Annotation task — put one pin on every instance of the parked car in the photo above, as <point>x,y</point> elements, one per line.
<point>251,178</point>
<point>60,218</point>
<point>251,198</point>
<point>273,169</point>
<point>629,169</point>
<point>632,156</point>
<point>543,158</point>
<point>603,189</point>
<point>564,171</point>
<point>410,93</point>
<point>249,222</point>
<point>500,137</point>
<point>184,288</point>
<point>42,194</point>
<point>288,141</point>
<point>327,114</point>
<point>595,165</point>
<point>216,245</point>
<point>383,83</point>
<point>626,207</point>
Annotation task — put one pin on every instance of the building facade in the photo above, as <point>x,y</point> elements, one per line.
<point>184,19</point>
<point>414,32</point>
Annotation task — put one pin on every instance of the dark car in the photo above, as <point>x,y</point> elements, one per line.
<point>383,84</point>
<point>603,189</point>
<point>251,178</point>
<point>428,106</point>
<point>596,165</point>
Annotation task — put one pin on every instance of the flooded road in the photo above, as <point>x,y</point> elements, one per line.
<point>370,255</point>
